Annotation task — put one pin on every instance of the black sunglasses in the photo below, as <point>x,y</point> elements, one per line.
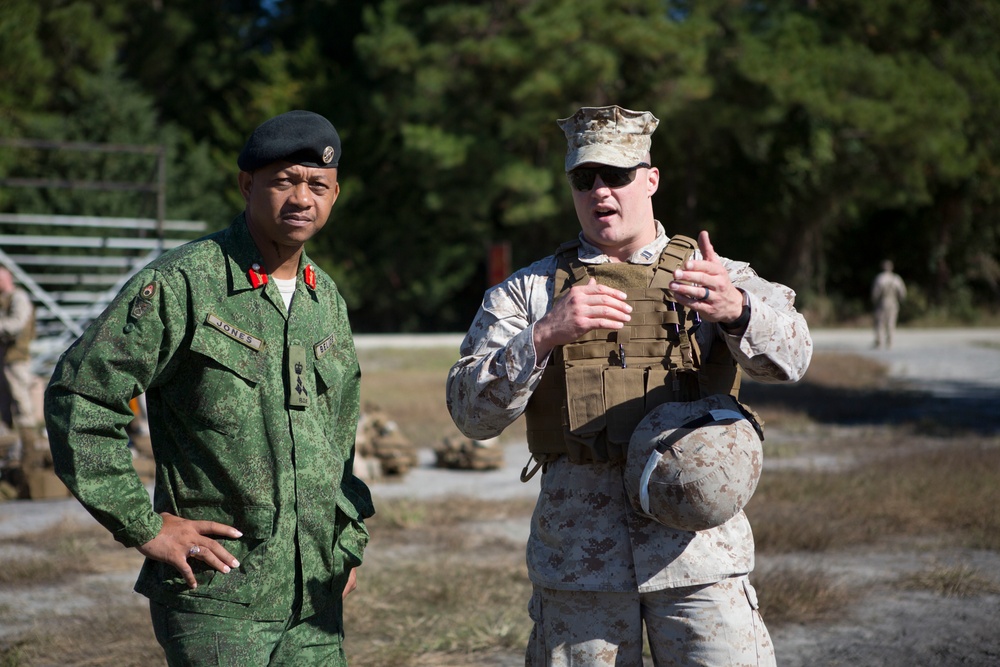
<point>614,177</point>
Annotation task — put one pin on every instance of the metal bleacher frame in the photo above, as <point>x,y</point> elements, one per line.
<point>74,285</point>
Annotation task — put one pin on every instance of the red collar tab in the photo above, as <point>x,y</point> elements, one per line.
<point>309,275</point>
<point>257,279</point>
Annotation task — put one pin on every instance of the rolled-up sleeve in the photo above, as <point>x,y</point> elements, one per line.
<point>777,345</point>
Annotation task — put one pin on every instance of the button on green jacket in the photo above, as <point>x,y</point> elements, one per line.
<point>252,415</point>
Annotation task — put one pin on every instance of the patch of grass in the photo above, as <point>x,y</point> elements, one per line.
<point>408,514</point>
<point>62,552</point>
<point>846,371</point>
<point>13,655</point>
<point>439,608</point>
<point>435,590</point>
<point>958,581</point>
<point>801,596</point>
<point>410,386</point>
<point>109,634</point>
<point>951,491</point>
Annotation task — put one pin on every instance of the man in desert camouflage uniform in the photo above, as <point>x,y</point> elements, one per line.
<point>17,329</point>
<point>600,571</point>
<point>888,290</point>
<point>243,348</point>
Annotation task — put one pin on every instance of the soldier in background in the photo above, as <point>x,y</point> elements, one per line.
<point>602,573</point>
<point>17,329</point>
<point>888,290</point>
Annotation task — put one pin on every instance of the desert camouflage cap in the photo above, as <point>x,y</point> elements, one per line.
<point>694,465</point>
<point>608,135</point>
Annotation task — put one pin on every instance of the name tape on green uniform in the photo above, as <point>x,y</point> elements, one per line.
<point>324,345</point>
<point>238,335</point>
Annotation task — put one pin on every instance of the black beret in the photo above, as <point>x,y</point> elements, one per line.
<point>299,137</point>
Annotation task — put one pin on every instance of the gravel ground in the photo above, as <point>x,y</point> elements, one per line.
<point>959,369</point>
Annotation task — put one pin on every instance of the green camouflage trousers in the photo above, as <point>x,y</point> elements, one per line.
<point>711,625</point>
<point>192,640</point>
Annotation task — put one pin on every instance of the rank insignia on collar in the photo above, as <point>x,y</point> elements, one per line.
<point>309,275</point>
<point>257,278</point>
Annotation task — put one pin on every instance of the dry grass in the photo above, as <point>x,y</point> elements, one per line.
<point>113,630</point>
<point>409,385</point>
<point>65,551</point>
<point>110,633</point>
<point>440,607</point>
<point>846,371</point>
<point>400,515</point>
<point>951,581</point>
<point>799,596</point>
<point>948,491</point>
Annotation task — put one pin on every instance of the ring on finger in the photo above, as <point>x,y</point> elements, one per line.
<point>194,551</point>
<point>705,296</point>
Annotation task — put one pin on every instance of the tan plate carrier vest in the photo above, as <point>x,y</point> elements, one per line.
<point>597,389</point>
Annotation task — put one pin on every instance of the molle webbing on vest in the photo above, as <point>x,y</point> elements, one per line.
<point>596,390</point>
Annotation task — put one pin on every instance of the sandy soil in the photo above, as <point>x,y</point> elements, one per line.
<point>956,374</point>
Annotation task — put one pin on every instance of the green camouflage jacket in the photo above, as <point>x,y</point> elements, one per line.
<point>252,416</point>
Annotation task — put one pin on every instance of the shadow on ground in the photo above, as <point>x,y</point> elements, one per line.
<point>958,405</point>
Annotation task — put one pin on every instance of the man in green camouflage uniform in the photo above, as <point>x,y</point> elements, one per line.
<point>244,351</point>
<point>601,572</point>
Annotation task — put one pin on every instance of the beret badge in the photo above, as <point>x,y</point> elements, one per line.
<point>328,154</point>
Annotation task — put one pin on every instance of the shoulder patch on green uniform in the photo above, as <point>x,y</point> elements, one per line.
<point>143,303</point>
<point>324,345</point>
<point>140,307</point>
<point>240,336</point>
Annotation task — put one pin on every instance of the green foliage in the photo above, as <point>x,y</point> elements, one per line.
<point>463,107</point>
<point>68,52</point>
<point>810,138</point>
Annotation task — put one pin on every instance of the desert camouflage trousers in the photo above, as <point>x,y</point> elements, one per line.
<point>192,640</point>
<point>19,378</point>
<point>716,624</point>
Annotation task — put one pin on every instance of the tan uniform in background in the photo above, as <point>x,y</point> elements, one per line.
<point>888,291</point>
<point>17,329</point>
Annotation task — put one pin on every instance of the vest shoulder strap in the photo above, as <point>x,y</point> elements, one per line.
<point>570,271</point>
<point>678,250</point>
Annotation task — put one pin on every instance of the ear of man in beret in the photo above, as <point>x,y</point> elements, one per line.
<point>299,137</point>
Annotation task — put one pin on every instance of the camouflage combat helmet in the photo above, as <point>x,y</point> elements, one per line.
<point>694,465</point>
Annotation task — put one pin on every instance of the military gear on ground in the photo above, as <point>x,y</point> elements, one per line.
<point>460,453</point>
<point>596,389</point>
<point>694,465</point>
<point>380,437</point>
